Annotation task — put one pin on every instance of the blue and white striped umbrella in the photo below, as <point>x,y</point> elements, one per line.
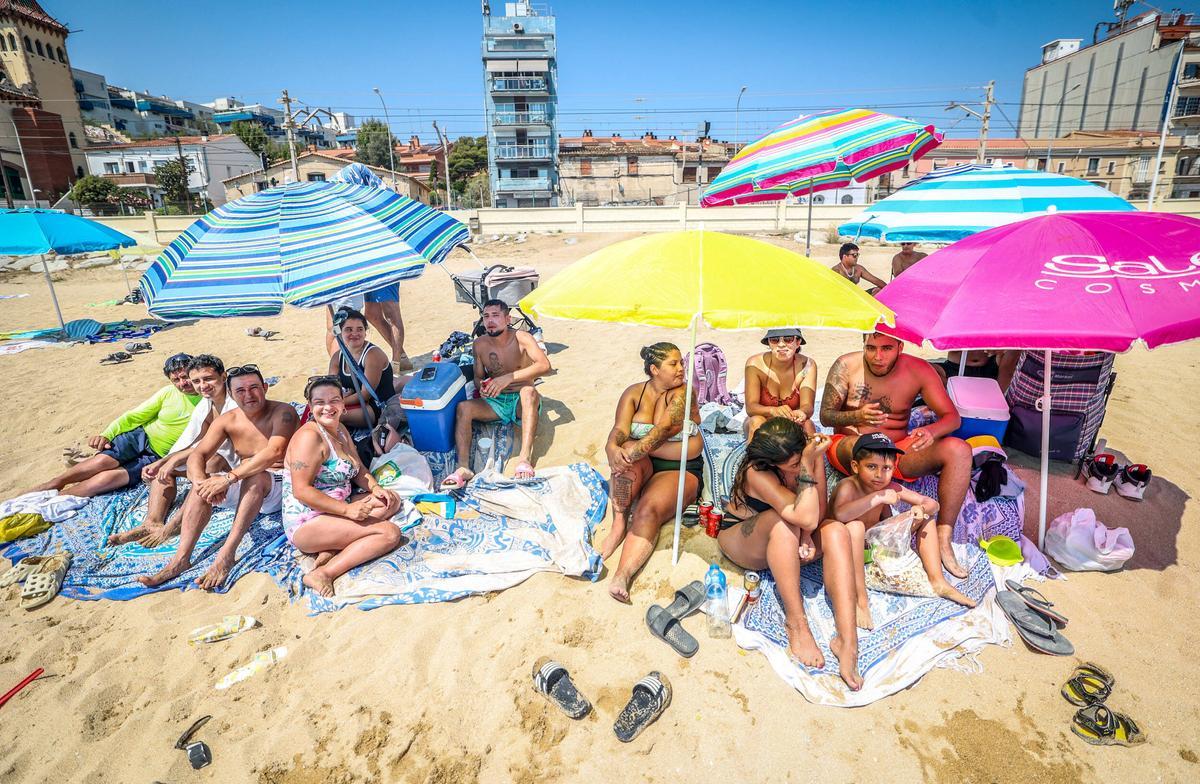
<point>304,244</point>
<point>949,204</point>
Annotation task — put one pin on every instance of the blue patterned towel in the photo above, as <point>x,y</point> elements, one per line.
<point>101,572</point>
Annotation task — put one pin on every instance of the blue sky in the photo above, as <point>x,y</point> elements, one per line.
<point>623,66</point>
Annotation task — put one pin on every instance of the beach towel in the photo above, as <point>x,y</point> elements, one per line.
<point>911,635</point>
<point>101,572</point>
<point>444,559</point>
<point>12,296</point>
<point>442,464</point>
<point>17,346</point>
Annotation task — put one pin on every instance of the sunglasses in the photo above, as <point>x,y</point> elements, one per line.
<point>318,381</point>
<point>785,339</point>
<point>240,370</point>
<point>176,361</point>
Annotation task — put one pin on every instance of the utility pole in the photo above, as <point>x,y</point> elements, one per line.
<point>983,117</point>
<point>8,199</point>
<point>391,141</point>
<point>183,169</point>
<point>289,125</point>
<point>445,159</point>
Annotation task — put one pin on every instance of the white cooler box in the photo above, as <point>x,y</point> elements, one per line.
<point>981,405</point>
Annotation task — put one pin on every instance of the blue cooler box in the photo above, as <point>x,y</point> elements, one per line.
<point>430,401</point>
<point>981,405</point>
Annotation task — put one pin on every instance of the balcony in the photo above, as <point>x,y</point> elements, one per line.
<point>522,184</point>
<point>513,84</point>
<point>133,179</point>
<point>522,152</point>
<point>521,118</point>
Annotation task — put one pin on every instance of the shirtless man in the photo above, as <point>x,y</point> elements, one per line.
<point>849,268</point>
<point>207,374</point>
<point>259,430</point>
<point>507,362</point>
<point>873,392</point>
<point>908,256</point>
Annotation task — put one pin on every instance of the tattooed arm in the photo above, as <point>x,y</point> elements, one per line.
<point>619,435</point>
<point>837,390</point>
<point>666,425</point>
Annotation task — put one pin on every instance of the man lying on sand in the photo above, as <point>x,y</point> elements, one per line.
<point>507,362</point>
<point>865,497</point>
<point>259,430</point>
<point>872,391</point>
<point>207,374</point>
<point>134,440</point>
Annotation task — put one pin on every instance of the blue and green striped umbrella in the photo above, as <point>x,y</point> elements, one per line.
<point>304,244</point>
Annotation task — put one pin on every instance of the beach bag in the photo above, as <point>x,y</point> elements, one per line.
<point>404,470</point>
<point>895,567</point>
<point>709,370</point>
<point>1080,542</point>
<point>1079,388</point>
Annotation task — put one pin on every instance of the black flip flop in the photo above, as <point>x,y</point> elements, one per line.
<point>1036,630</point>
<point>667,628</point>
<point>1100,726</point>
<point>688,600</point>
<point>651,696</point>
<point>552,681</point>
<point>116,358</point>
<point>1035,600</point>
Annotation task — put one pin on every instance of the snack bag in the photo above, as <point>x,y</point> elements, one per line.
<point>895,567</point>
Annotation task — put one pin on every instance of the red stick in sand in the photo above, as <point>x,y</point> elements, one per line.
<point>8,695</point>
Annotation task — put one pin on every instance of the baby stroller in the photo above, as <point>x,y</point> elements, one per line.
<point>498,281</point>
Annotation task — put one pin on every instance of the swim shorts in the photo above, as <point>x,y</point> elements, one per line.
<point>506,405</point>
<point>132,450</point>
<point>386,294</point>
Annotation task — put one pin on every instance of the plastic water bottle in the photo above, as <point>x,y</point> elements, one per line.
<point>717,604</point>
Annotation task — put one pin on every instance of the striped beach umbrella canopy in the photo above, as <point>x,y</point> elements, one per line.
<point>303,244</point>
<point>818,152</point>
<point>950,204</point>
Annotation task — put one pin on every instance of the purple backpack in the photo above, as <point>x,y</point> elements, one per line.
<point>709,369</point>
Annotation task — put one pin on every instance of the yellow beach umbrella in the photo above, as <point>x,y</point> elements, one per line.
<point>680,279</point>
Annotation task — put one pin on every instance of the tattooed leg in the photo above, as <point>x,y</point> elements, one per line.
<point>624,487</point>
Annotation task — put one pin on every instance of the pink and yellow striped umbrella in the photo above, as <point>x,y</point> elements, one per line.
<point>820,152</point>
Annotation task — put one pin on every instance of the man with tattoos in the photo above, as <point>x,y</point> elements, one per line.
<point>873,392</point>
<point>507,362</point>
<point>644,448</point>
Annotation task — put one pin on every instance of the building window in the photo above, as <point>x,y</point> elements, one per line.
<point>315,177</point>
<point>847,199</point>
<point>712,172</point>
<point>904,171</point>
<point>1093,167</point>
<point>1112,167</point>
<point>1041,164</point>
<point>819,198</point>
<point>41,52</point>
<point>1191,71</point>
<point>3,44</point>
<point>74,142</point>
<point>112,167</point>
<point>12,42</point>
<point>28,45</point>
<point>939,163</point>
<point>129,167</point>
<point>585,167</point>
<point>78,171</point>
<point>12,183</point>
<point>689,173</point>
<point>62,58</point>
<point>631,164</point>
<point>1061,168</point>
<point>1181,167</point>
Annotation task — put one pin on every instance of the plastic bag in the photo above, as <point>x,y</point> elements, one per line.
<point>404,470</point>
<point>1080,542</point>
<point>895,567</point>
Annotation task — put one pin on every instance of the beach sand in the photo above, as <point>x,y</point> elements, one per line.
<point>441,692</point>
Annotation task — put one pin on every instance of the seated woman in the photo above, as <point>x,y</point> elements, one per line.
<point>775,519</point>
<point>319,514</point>
<point>372,362</point>
<point>780,382</point>
<point>644,449</point>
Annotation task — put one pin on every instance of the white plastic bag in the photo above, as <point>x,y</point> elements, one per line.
<point>895,567</point>
<point>1080,542</point>
<point>404,470</point>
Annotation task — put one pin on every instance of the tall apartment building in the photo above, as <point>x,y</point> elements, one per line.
<point>520,73</point>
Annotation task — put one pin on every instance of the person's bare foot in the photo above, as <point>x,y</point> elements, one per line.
<point>618,588</point>
<point>951,562</point>
<point>948,591</point>
<point>616,535</point>
<point>847,656</point>
<point>862,617</point>
<point>323,558</point>
<point>319,582</point>
<point>803,647</point>
<point>132,535</point>
<point>158,535</point>
<point>166,574</point>
<point>215,575</point>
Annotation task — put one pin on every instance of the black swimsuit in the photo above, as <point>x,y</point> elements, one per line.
<point>694,466</point>
<point>728,520</point>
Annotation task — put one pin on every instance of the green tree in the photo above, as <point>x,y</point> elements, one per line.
<point>95,192</point>
<point>436,194</point>
<point>252,135</point>
<point>278,151</point>
<point>467,158</point>
<point>172,178</point>
<point>477,192</point>
<point>372,144</point>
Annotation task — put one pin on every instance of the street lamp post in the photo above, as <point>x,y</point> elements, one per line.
<point>737,108</point>
<point>1057,124</point>
<point>391,145</point>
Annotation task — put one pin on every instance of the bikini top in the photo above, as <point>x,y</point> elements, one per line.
<point>642,429</point>
<point>335,472</point>
<point>765,398</point>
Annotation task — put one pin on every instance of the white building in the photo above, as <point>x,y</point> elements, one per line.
<point>213,159</point>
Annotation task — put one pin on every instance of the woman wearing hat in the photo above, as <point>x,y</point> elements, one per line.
<point>780,382</point>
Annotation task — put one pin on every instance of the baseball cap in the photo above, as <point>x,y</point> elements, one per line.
<point>784,332</point>
<point>876,442</point>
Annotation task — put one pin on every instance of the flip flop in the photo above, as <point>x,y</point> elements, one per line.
<point>1100,726</point>
<point>651,696</point>
<point>267,334</point>
<point>552,681</point>
<point>1036,601</point>
<point>44,584</point>
<point>1036,630</point>
<point>138,348</point>
<point>688,600</point>
<point>116,358</point>
<point>1089,684</point>
<point>456,480</point>
<point>667,628</point>
<point>21,570</point>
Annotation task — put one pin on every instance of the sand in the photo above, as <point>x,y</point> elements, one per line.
<point>441,692</point>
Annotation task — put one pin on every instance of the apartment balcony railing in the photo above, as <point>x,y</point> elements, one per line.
<point>510,184</point>
<point>518,84</point>
<point>513,152</point>
<point>132,179</point>
<point>521,118</point>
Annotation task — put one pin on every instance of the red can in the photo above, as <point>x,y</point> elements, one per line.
<point>704,507</point>
<point>712,523</point>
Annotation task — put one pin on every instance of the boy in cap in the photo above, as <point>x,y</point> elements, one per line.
<point>867,496</point>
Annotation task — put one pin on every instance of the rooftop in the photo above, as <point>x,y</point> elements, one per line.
<point>32,11</point>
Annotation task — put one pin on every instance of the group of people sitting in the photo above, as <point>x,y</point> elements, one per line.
<point>779,514</point>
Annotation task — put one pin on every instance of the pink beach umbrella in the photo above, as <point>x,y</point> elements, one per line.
<point>1084,281</point>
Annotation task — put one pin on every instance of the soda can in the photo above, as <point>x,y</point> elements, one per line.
<point>704,508</point>
<point>753,585</point>
<point>712,523</point>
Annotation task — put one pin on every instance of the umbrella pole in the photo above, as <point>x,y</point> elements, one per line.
<point>962,363</point>
<point>1044,402</point>
<point>53,295</point>
<point>683,453</point>
<point>808,230</point>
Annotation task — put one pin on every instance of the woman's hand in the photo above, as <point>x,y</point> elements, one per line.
<point>361,509</point>
<point>618,460</point>
<point>808,550</point>
<point>815,448</point>
<point>382,495</point>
